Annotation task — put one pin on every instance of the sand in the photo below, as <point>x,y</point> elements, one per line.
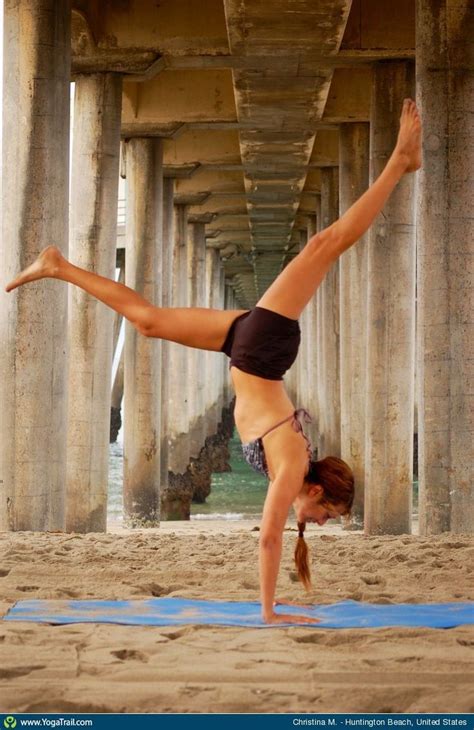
<point>104,668</point>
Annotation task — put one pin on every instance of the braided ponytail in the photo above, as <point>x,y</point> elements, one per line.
<point>301,557</point>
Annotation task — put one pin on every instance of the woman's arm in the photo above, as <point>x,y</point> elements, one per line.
<point>281,493</point>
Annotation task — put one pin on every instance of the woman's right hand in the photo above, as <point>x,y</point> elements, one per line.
<point>289,618</point>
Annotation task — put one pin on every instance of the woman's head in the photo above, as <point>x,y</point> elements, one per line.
<point>327,493</point>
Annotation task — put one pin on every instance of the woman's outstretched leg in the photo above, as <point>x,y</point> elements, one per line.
<point>298,282</point>
<point>194,327</point>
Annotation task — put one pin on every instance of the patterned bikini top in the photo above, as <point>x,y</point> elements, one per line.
<point>254,453</point>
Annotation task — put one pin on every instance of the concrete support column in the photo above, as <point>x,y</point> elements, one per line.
<point>93,234</point>
<point>33,319</point>
<point>219,303</point>
<point>445,344</point>
<point>196,251</point>
<point>229,303</point>
<point>213,359</point>
<point>317,210</point>
<point>390,321</point>
<point>166,301</point>
<point>117,384</point>
<point>176,498</point>
<point>309,344</point>
<point>353,182</point>
<point>179,375</point>
<point>143,354</point>
<point>116,399</point>
<point>329,398</point>
<point>302,360</point>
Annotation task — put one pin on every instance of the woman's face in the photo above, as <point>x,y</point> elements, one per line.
<point>310,506</point>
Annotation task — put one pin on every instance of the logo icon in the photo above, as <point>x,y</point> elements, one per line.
<point>9,722</point>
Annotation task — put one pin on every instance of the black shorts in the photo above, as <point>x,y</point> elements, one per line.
<point>263,343</point>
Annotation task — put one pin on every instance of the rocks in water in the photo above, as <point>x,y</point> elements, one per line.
<point>195,484</point>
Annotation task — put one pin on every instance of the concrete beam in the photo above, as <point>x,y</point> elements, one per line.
<point>180,96</point>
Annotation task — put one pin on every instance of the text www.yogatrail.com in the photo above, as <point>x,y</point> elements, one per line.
<point>48,722</point>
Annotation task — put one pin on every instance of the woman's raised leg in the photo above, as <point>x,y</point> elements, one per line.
<point>298,282</point>
<point>194,327</point>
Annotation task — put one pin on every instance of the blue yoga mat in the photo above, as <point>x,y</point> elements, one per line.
<point>181,611</point>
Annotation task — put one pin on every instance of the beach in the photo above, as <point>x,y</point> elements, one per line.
<point>110,668</point>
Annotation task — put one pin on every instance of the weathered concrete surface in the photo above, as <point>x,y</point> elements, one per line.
<point>353,182</point>
<point>33,319</point>
<point>116,396</point>
<point>178,489</point>
<point>309,345</point>
<point>277,90</point>
<point>166,275</point>
<point>328,354</point>
<point>213,360</point>
<point>116,401</point>
<point>391,322</point>
<point>269,76</point>
<point>143,354</point>
<point>196,287</point>
<point>93,231</point>
<point>445,93</point>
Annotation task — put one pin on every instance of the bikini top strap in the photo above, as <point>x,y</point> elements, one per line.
<point>277,425</point>
<point>302,416</point>
<point>297,418</point>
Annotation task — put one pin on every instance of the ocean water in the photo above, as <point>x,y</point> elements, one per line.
<point>235,495</point>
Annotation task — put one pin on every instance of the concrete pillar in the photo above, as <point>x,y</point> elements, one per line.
<point>302,360</point>
<point>309,344</point>
<point>196,259</point>
<point>329,399</point>
<point>176,498</point>
<point>166,301</point>
<point>445,244</point>
<point>116,400</point>
<point>117,385</point>
<point>213,359</point>
<point>117,318</point>
<point>33,319</point>
<point>229,304</point>
<point>317,210</point>
<point>219,303</point>
<point>390,321</point>
<point>179,374</point>
<point>144,235</point>
<point>93,234</point>
<point>353,182</point>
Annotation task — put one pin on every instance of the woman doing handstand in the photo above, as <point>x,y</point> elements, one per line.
<point>262,344</point>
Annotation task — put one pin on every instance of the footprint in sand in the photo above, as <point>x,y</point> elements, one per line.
<point>52,705</point>
<point>27,589</point>
<point>384,600</point>
<point>12,672</point>
<point>249,585</point>
<point>4,572</point>
<point>173,635</point>
<point>68,593</point>
<point>373,580</point>
<point>130,654</point>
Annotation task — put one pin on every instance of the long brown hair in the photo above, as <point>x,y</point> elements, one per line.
<point>337,480</point>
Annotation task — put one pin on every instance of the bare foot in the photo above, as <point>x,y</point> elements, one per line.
<point>408,145</point>
<point>46,265</point>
